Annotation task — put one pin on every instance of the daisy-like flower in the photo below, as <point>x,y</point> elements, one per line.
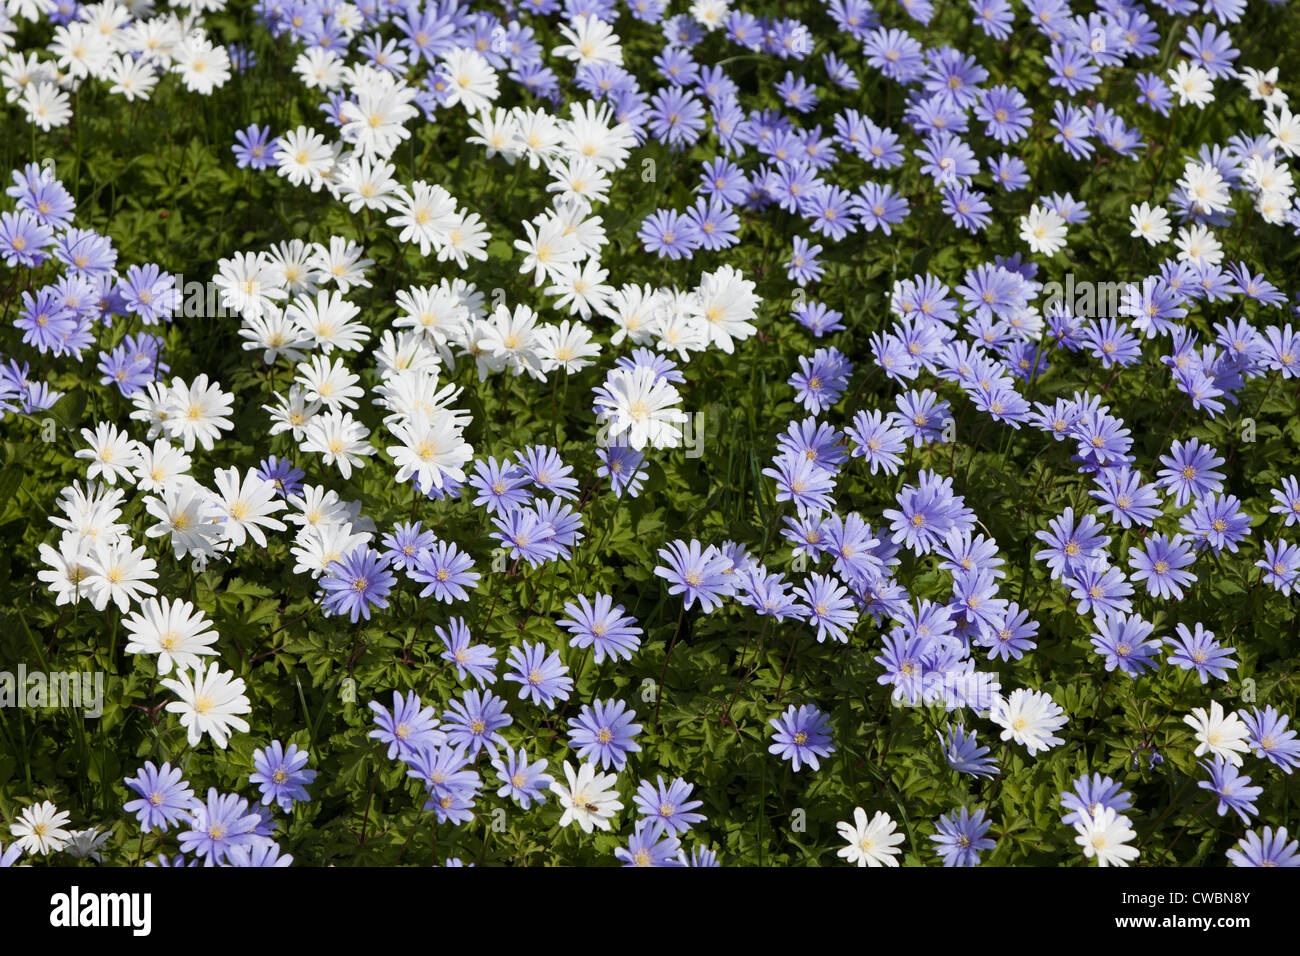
<point>1043,229</point>
<point>39,828</point>
<point>1191,84</point>
<point>87,844</point>
<point>112,453</point>
<point>1029,717</point>
<point>588,798</point>
<point>602,625</point>
<point>605,730</point>
<point>119,573</point>
<point>218,825</point>
<point>340,440</point>
<point>165,797</point>
<point>281,775</point>
<point>592,41</point>
<point>522,781</point>
<point>1105,835</point>
<point>196,413</point>
<point>640,408</point>
<point>1222,734</point>
<point>871,842</point>
<point>801,736</point>
<point>244,507</point>
<point>650,846</point>
<point>668,807</point>
<point>1268,847</point>
<point>1149,223</point>
<point>209,703</point>
<point>174,630</point>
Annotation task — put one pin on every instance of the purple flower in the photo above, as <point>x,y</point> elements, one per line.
<point>1271,738</point>
<point>1160,562</point>
<point>280,774</point>
<point>219,825</point>
<point>604,731</point>
<point>165,797</point>
<point>445,571</point>
<point>697,574</point>
<point>360,581</point>
<point>475,722</point>
<point>1092,794</point>
<point>831,608</point>
<point>667,807</point>
<point>1122,640</point>
<point>801,736</point>
<point>668,234</point>
<point>408,728</point>
<point>478,660</point>
<point>501,487</point>
<point>602,625</point>
<point>1231,787</point>
<point>960,835</point>
<point>621,464</point>
<point>540,674</point>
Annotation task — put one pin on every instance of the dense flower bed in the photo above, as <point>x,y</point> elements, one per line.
<point>599,431</point>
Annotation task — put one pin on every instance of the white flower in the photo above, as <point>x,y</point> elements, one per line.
<point>245,507</point>
<point>1043,229</point>
<point>112,453</point>
<point>589,797</point>
<point>187,513</point>
<point>249,282</point>
<point>1223,735</point>
<point>209,703</point>
<point>1028,717</point>
<point>1199,246</point>
<point>581,287</point>
<point>591,41</point>
<point>1205,187</point>
<point>304,158</point>
<point>512,341</point>
<point>547,247</point>
<point>46,105</point>
<point>160,465</point>
<point>637,402</point>
<point>425,214</point>
<point>1105,835</point>
<point>724,304</point>
<point>130,77</point>
<point>589,132</point>
<point>567,346</point>
<point>39,828</point>
<point>498,130</point>
<point>1262,86</point>
<point>342,262</point>
<point>1149,223</point>
<point>85,844</point>
<point>118,573</point>
<point>292,413</point>
<point>332,384</point>
<point>196,412</point>
<point>174,630</point>
<point>471,81</point>
<point>1285,129</point>
<point>329,320</point>
<point>432,451</point>
<point>710,13</point>
<point>65,569</point>
<point>871,842</point>
<point>202,66</point>
<point>1191,84</point>
<point>340,439</point>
